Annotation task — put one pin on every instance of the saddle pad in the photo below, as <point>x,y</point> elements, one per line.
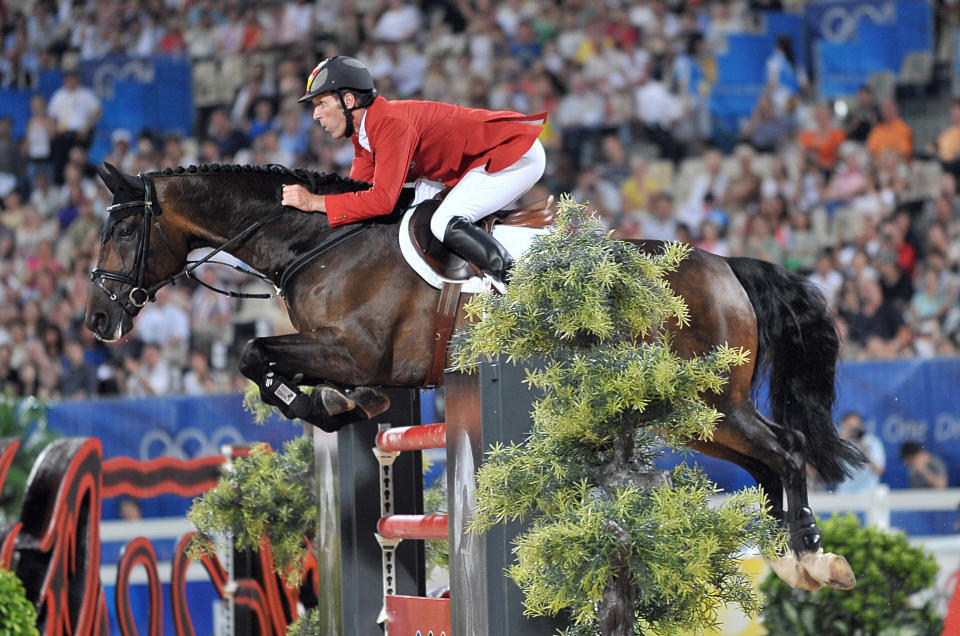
<point>516,240</point>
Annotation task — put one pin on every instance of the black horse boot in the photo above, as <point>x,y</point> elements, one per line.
<point>284,394</point>
<point>476,246</point>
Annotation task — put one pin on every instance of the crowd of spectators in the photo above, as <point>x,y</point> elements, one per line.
<point>827,189</point>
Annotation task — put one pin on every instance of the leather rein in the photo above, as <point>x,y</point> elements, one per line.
<point>140,295</point>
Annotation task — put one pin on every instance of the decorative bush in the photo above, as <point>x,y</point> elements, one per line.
<point>622,548</point>
<point>17,614</point>
<point>266,496</point>
<point>307,625</point>
<point>437,551</point>
<point>889,572</point>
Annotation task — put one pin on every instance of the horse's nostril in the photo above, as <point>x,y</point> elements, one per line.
<point>98,322</point>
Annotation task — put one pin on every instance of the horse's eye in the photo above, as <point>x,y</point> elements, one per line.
<point>125,232</point>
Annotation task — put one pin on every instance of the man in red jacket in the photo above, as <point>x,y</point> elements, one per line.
<point>488,158</point>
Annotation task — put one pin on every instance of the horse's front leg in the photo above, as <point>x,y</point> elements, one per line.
<point>280,364</point>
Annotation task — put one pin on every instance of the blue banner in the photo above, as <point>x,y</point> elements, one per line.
<point>742,69</point>
<point>904,400</point>
<point>152,94</point>
<point>837,20</point>
<point>139,93</point>
<point>15,102</point>
<point>853,39</point>
<point>182,427</point>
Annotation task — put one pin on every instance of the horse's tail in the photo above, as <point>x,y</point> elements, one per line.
<point>798,346</point>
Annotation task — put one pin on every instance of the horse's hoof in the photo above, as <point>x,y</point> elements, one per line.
<point>335,402</point>
<point>371,401</point>
<point>791,572</point>
<point>829,569</point>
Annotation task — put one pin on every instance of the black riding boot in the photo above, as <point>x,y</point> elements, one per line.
<point>476,246</point>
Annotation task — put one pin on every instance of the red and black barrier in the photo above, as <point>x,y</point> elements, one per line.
<point>54,547</point>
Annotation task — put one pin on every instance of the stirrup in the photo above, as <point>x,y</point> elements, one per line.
<point>489,282</point>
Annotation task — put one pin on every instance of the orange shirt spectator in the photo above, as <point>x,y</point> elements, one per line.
<point>948,143</point>
<point>824,138</point>
<point>891,133</point>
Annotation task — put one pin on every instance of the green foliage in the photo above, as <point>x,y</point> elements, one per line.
<point>435,503</point>
<point>25,419</point>
<point>591,309</point>
<point>17,614</point>
<point>682,554</point>
<point>266,495</point>
<point>252,403</point>
<point>307,625</point>
<point>889,572</point>
<point>575,288</point>
<point>260,410</point>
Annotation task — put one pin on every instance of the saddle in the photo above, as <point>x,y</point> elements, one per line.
<point>449,265</point>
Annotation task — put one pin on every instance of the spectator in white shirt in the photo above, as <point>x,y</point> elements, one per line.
<point>166,324</point>
<point>580,115</point>
<point>660,224</point>
<point>297,22</point>
<point>659,110</point>
<point>399,23</point>
<point>826,278</point>
<point>201,37</point>
<point>75,110</point>
<point>199,379</point>
<point>151,375</point>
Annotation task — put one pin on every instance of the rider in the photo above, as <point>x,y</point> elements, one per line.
<point>489,158</point>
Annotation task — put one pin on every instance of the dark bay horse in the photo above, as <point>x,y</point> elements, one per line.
<point>364,320</point>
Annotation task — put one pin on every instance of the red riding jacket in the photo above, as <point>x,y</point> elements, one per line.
<point>411,139</point>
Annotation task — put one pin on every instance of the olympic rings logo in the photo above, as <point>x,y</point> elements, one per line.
<point>189,443</point>
<point>839,23</point>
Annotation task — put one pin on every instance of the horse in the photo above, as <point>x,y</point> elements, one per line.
<point>363,319</point>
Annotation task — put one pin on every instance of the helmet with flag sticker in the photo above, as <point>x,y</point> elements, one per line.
<point>340,73</point>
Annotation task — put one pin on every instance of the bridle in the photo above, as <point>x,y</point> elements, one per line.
<point>139,294</point>
<point>149,208</point>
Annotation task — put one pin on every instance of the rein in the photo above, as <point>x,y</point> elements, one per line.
<point>140,296</point>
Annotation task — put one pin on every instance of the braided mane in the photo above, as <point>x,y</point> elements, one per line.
<point>304,176</point>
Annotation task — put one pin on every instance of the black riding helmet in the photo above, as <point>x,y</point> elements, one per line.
<point>339,75</point>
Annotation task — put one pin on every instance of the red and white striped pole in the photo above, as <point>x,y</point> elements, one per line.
<point>394,528</point>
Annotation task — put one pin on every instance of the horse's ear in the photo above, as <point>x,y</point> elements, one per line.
<point>110,176</point>
<point>122,180</point>
<point>131,183</point>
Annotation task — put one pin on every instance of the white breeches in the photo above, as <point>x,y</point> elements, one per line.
<point>480,193</point>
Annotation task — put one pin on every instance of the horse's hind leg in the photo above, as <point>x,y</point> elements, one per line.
<point>749,433</point>
<point>279,364</point>
<point>767,480</point>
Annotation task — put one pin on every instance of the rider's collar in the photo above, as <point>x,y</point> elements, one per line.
<point>362,138</point>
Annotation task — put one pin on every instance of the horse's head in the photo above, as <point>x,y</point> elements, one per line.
<point>130,268</point>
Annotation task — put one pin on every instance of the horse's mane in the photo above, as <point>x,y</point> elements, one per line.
<point>304,176</point>
<point>314,180</point>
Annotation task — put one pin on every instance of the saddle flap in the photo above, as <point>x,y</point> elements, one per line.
<point>438,257</point>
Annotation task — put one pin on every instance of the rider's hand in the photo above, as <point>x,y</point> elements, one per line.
<point>297,196</point>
